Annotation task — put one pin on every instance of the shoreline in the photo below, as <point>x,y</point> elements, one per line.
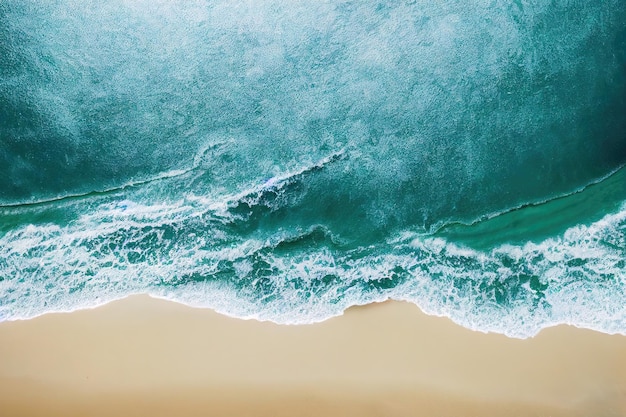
<point>147,356</point>
<point>157,298</point>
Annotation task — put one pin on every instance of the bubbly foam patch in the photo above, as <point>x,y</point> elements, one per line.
<point>186,251</point>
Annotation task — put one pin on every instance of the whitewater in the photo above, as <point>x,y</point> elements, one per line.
<point>285,161</point>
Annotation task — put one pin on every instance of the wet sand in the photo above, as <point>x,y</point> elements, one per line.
<point>147,357</point>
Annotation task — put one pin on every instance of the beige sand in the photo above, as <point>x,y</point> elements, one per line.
<point>146,357</point>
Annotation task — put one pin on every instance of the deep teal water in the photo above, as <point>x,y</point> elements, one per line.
<point>285,161</point>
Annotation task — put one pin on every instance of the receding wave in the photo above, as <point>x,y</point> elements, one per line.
<point>209,255</point>
<point>286,160</point>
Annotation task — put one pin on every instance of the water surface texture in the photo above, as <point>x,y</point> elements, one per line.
<point>286,160</point>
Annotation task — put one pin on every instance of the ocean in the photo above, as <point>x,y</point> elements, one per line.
<point>284,161</point>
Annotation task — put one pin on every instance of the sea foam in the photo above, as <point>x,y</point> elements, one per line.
<point>186,252</point>
<point>286,160</point>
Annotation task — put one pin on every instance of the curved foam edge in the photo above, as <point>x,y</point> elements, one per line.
<point>130,184</point>
<point>439,227</point>
<point>439,288</point>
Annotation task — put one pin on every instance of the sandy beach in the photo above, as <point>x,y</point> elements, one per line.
<point>147,357</point>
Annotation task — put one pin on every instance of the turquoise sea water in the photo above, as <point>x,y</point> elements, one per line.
<point>286,160</point>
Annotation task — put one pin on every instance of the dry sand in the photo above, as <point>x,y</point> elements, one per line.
<point>146,357</point>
